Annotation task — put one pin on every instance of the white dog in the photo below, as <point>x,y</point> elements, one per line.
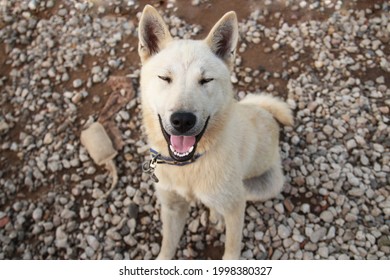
<point>205,145</point>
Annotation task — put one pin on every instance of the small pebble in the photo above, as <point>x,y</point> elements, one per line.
<point>37,214</point>
<point>77,83</point>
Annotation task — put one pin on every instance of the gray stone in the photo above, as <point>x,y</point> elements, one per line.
<point>351,144</point>
<point>323,252</point>
<point>93,242</point>
<point>61,238</point>
<point>364,160</point>
<point>3,126</point>
<point>37,214</point>
<point>77,83</point>
<point>327,216</point>
<point>252,212</point>
<point>343,257</point>
<point>308,256</point>
<point>318,235</point>
<point>356,192</point>
<point>96,78</point>
<point>67,214</point>
<point>78,95</point>
<point>130,240</point>
<point>89,252</point>
<point>279,208</point>
<point>328,130</point>
<point>155,248</point>
<point>96,70</point>
<point>32,5</point>
<point>331,233</point>
<point>284,231</point>
<point>62,12</point>
<point>248,254</point>
<point>259,235</point>
<point>350,217</point>
<point>48,139</point>
<point>379,148</point>
<point>114,235</point>
<point>305,208</point>
<point>17,206</point>
<point>276,255</point>
<point>353,181</point>
<point>193,226</point>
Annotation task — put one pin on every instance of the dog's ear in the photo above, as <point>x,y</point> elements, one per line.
<point>153,33</point>
<point>222,39</point>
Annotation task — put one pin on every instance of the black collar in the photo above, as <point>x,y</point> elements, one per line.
<point>150,165</point>
<point>168,160</point>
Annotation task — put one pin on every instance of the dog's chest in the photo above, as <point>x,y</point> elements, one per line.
<point>184,181</point>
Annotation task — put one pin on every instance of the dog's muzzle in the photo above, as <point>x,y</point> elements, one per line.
<point>181,142</point>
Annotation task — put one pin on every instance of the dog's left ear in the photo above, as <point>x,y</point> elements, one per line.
<point>222,39</point>
<point>153,33</point>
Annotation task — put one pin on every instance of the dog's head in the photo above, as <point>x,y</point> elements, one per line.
<point>185,84</point>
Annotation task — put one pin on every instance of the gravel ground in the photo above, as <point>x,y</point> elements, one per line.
<point>329,59</point>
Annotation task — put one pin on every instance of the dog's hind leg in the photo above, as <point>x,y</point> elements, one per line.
<point>174,210</point>
<point>266,186</point>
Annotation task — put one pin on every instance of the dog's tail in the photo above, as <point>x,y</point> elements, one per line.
<point>278,109</point>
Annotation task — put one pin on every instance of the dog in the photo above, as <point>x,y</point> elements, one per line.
<point>205,145</point>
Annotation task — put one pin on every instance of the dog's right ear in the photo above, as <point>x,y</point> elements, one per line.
<point>153,33</point>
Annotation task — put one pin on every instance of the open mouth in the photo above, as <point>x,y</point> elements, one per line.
<point>181,147</point>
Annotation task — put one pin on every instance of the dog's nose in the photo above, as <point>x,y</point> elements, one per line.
<point>183,122</point>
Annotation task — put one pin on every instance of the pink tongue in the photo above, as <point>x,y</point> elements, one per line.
<point>182,144</point>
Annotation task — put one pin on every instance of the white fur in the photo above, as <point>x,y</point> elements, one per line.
<point>240,150</point>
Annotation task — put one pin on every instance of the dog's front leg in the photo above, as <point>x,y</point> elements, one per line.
<point>234,223</point>
<point>174,210</point>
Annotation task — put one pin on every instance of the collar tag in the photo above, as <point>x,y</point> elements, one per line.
<point>149,166</point>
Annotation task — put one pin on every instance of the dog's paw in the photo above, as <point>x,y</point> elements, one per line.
<point>162,256</point>
<point>231,256</point>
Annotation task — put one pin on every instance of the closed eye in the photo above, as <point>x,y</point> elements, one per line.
<point>166,79</point>
<point>204,81</point>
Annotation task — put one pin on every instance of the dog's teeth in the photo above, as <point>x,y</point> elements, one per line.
<point>181,154</point>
